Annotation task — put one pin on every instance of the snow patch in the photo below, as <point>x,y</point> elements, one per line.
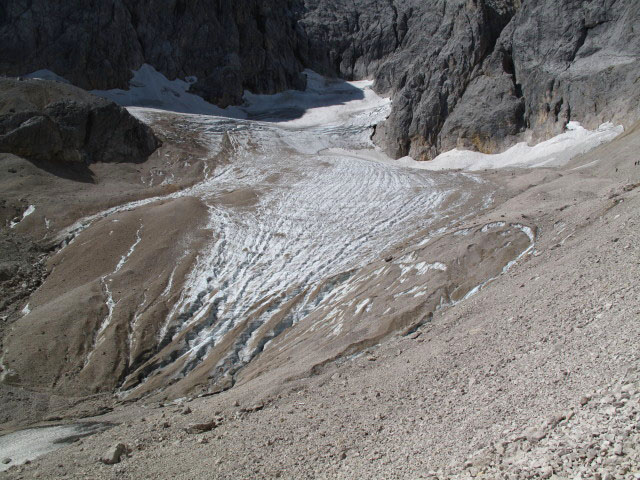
<point>126,256</point>
<point>167,289</point>
<point>45,74</point>
<point>110,302</point>
<point>4,372</point>
<point>32,443</point>
<point>554,152</point>
<point>411,291</point>
<point>324,102</point>
<point>528,231</point>
<point>149,88</point>
<point>361,305</point>
<point>26,213</point>
<point>424,267</point>
<point>491,226</point>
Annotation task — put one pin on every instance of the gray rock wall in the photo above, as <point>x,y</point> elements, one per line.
<point>483,74</point>
<point>228,45</point>
<point>477,74</point>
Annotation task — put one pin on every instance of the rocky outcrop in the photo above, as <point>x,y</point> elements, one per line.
<point>48,121</point>
<point>435,75</point>
<point>483,74</point>
<point>229,46</point>
<point>477,74</point>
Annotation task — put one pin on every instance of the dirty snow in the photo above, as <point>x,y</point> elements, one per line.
<point>27,445</point>
<point>328,202</point>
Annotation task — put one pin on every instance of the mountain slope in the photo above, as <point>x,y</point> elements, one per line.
<point>535,377</point>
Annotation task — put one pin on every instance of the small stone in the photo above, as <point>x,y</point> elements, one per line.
<point>584,400</point>
<point>534,435</point>
<point>114,454</point>
<point>618,449</point>
<point>6,461</point>
<point>546,472</point>
<point>555,420</point>
<point>201,427</point>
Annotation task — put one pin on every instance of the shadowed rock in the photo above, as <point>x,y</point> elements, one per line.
<point>480,75</point>
<point>48,121</point>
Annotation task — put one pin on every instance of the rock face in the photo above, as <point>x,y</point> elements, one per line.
<point>48,121</point>
<point>426,54</point>
<point>477,74</point>
<point>229,46</point>
<point>483,74</point>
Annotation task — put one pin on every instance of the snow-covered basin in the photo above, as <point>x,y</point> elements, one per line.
<point>32,443</point>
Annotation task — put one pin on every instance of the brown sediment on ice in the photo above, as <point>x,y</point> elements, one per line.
<point>98,313</point>
<point>518,379</point>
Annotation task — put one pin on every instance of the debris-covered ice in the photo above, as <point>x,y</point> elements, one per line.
<point>304,204</point>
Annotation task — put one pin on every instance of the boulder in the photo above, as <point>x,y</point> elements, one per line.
<point>47,121</point>
<point>114,454</point>
<point>195,428</point>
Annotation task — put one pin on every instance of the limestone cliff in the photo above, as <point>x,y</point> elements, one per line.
<point>477,74</point>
